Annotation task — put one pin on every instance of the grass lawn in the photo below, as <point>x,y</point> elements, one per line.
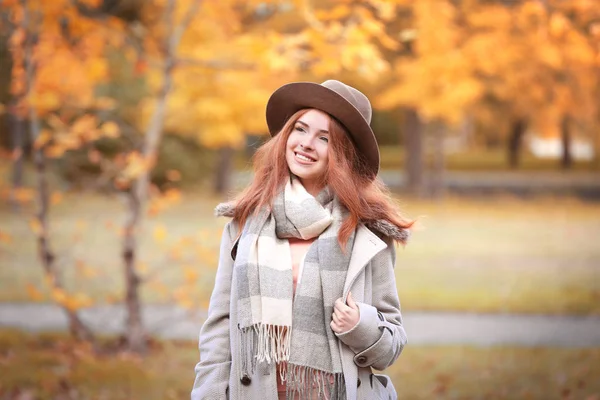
<point>52,367</point>
<point>492,254</point>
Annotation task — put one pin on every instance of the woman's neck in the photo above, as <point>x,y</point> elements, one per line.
<point>312,187</point>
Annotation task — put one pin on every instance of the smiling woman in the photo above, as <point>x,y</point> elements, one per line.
<point>305,303</point>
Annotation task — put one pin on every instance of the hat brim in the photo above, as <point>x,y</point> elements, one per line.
<point>290,98</point>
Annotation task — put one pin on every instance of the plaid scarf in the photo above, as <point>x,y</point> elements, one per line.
<point>274,325</point>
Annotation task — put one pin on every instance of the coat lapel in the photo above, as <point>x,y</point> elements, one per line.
<point>366,246</point>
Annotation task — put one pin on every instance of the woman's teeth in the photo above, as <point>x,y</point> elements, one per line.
<point>304,158</point>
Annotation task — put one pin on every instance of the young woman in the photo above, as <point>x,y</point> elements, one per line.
<point>305,304</point>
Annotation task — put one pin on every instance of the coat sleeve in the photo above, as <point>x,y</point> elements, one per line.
<point>212,372</point>
<point>379,337</point>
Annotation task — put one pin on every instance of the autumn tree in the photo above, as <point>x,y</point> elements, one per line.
<point>55,69</point>
<point>529,65</point>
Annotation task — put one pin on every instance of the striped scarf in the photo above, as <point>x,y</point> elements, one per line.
<point>276,326</point>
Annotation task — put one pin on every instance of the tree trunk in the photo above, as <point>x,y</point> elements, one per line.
<point>413,164</point>
<point>135,332</point>
<point>515,142</point>
<point>76,326</point>
<point>17,128</point>
<point>436,184</point>
<point>223,170</point>
<point>138,194</point>
<point>565,132</point>
<point>596,163</point>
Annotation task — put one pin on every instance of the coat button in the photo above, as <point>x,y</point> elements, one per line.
<point>246,380</point>
<point>358,383</point>
<point>361,359</point>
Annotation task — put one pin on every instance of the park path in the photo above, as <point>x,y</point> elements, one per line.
<point>423,328</point>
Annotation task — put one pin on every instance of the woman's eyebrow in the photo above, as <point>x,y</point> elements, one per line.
<point>306,125</point>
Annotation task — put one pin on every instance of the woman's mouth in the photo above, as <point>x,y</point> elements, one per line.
<point>304,159</point>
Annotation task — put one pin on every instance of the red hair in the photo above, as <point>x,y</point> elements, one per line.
<point>366,198</point>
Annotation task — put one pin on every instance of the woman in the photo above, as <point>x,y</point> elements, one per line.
<point>305,302</point>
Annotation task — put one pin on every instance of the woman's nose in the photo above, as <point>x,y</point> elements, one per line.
<point>306,143</point>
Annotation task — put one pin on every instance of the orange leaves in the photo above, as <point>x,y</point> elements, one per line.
<point>36,226</point>
<point>5,238</point>
<point>33,293</point>
<point>110,129</point>
<point>173,175</point>
<point>525,59</point>
<point>43,138</point>
<point>164,201</point>
<point>135,165</point>
<point>71,302</point>
<point>190,274</point>
<point>559,24</point>
<point>69,54</point>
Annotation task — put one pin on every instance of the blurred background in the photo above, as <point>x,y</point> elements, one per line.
<point>123,124</point>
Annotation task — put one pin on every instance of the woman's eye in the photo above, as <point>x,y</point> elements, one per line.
<point>325,139</point>
<point>299,129</point>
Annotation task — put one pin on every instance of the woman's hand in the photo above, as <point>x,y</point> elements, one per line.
<point>345,317</point>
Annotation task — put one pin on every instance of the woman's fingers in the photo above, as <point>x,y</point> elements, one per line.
<point>351,302</point>
<point>336,319</point>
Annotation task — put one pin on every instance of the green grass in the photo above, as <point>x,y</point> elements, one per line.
<point>52,366</point>
<point>495,254</point>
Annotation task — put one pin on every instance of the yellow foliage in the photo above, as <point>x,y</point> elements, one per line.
<point>110,129</point>
<point>23,195</point>
<point>33,293</point>
<point>43,138</point>
<point>56,198</point>
<point>136,164</point>
<point>54,151</point>
<point>190,274</point>
<point>59,296</point>
<point>35,226</point>
<point>77,301</point>
<point>5,237</point>
<point>527,59</point>
<point>142,267</point>
<point>159,233</point>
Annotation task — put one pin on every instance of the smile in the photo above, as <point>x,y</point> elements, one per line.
<point>304,158</point>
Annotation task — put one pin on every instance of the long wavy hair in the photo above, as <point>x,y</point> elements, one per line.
<point>365,197</point>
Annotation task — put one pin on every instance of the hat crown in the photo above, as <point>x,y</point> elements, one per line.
<point>352,96</point>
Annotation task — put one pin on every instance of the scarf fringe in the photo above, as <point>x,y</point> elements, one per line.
<point>309,383</point>
<point>263,343</point>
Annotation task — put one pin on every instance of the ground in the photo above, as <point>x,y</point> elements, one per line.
<point>51,366</point>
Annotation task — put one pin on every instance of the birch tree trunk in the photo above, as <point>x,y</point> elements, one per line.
<point>138,194</point>
<point>135,332</point>
<point>76,327</point>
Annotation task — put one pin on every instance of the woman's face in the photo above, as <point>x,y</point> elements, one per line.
<point>307,149</point>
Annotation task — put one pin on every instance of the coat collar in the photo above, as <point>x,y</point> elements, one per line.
<point>366,246</point>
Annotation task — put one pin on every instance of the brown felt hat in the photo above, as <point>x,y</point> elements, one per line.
<point>344,103</point>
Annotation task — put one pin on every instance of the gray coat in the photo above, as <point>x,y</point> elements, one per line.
<point>374,343</point>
